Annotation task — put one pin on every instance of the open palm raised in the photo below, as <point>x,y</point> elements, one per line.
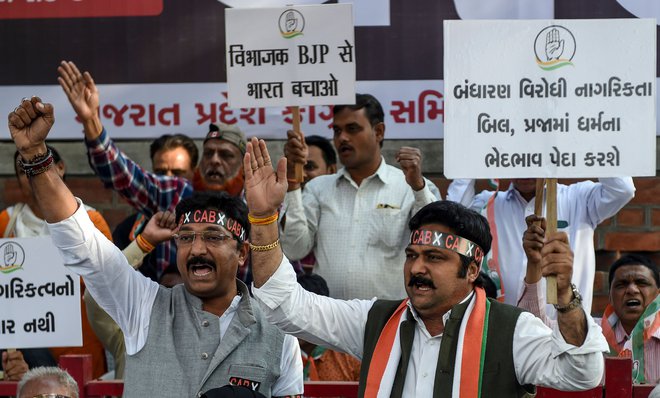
<point>79,89</point>
<point>264,187</point>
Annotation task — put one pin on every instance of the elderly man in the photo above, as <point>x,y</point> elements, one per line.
<point>182,341</point>
<point>631,322</point>
<point>444,339</point>
<point>47,382</point>
<point>219,168</point>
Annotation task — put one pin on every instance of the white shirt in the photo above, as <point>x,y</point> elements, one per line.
<point>358,233</point>
<point>128,297</point>
<point>540,354</point>
<point>582,205</point>
<point>533,300</point>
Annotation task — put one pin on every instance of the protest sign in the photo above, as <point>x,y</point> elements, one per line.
<point>297,55</point>
<point>559,98</point>
<point>39,297</point>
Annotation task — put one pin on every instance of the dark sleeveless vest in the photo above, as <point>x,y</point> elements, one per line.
<point>499,375</point>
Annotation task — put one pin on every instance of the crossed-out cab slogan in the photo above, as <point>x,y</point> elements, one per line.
<point>447,241</point>
<point>213,217</point>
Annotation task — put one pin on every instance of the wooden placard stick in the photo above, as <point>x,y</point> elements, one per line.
<point>551,227</point>
<point>295,118</point>
<point>538,198</point>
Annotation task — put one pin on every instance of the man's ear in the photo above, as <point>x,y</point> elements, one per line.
<point>472,271</point>
<point>243,253</point>
<point>380,131</point>
<point>332,169</point>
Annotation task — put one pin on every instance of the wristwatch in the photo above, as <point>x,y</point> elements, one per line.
<point>575,303</point>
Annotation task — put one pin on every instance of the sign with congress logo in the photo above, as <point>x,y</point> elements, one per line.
<point>39,297</point>
<point>550,98</point>
<point>297,55</point>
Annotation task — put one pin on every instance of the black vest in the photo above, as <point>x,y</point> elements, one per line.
<point>499,375</point>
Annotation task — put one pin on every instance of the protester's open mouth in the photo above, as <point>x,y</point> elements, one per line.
<point>633,303</point>
<point>344,149</point>
<point>201,270</point>
<point>422,287</point>
<point>421,283</point>
<point>214,175</point>
<point>200,266</point>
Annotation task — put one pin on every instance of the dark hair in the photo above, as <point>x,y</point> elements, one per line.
<point>372,108</point>
<point>314,283</point>
<point>232,206</point>
<point>462,221</point>
<point>635,259</point>
<point>329,154</point>
<point>167,142</point>
<point>56,157</point>
<point>487,283</point>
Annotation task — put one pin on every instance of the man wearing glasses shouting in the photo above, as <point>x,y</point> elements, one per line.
<point>209,332</point>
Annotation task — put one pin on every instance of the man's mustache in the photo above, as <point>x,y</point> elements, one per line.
<point>420,280</point>
<point>199,260</point>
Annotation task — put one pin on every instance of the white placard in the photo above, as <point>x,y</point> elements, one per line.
<point>550,98</point>
<point>297,55</point>
<point>39,297</point>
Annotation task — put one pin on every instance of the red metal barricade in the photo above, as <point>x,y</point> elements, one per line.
<point>618,383</point>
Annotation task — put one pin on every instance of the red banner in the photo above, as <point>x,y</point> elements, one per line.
<point>30,9</point>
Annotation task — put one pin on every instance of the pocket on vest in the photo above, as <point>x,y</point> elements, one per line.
<point>250,376</point>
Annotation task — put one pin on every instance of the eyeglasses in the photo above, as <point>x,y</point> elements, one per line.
<point>51,396</point>
<point>211,238</point>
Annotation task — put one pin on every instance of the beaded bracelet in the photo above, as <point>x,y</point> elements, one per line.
<point>265,248</point>
<point>263,221</point>
<point>38,164</point>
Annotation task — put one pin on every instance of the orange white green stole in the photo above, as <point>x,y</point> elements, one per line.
<point>633,348</point>
<point>468,366</point>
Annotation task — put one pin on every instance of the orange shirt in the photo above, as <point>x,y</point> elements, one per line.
<point>329,365</point>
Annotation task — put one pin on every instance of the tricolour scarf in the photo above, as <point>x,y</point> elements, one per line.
<point>468,365</point>
<point>310,372</point>
<point>644,329</point>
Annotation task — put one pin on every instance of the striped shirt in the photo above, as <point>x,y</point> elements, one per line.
<point>145,191</point>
